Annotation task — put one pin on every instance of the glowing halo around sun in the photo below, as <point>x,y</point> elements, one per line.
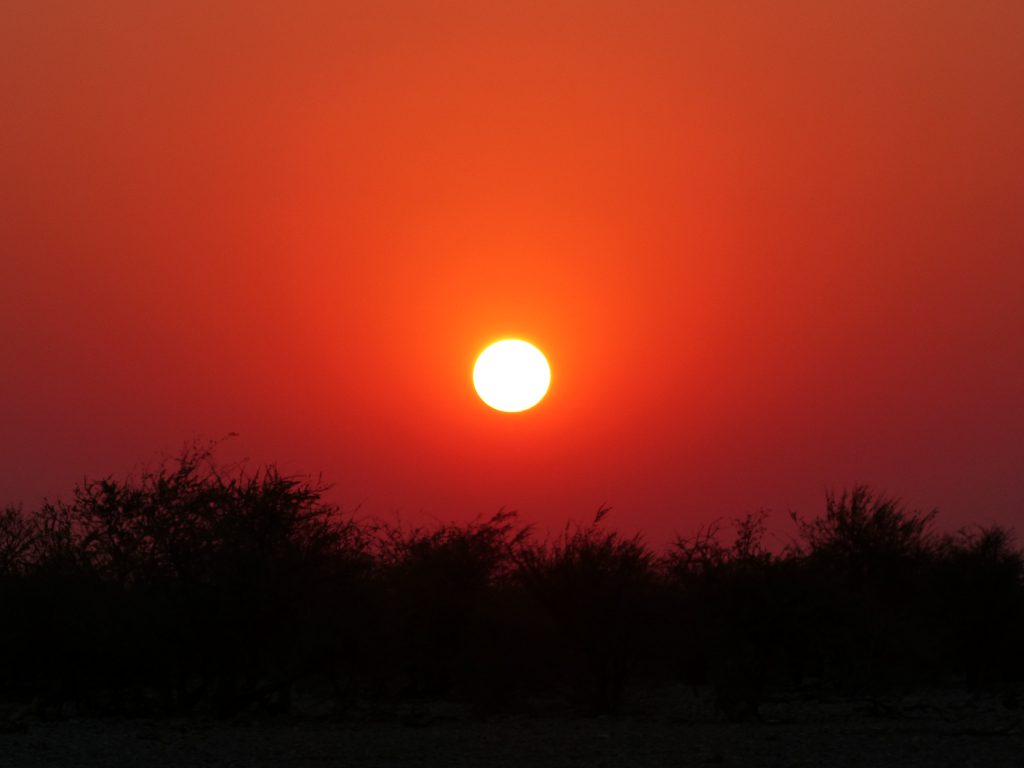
<point>511,375</point>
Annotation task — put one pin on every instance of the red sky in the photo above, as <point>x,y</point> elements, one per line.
<point>769,248</point>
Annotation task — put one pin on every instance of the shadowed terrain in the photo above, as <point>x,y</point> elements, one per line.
<point>197,597</point>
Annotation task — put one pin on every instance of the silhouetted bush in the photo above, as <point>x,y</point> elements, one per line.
<point>868,563</point>
<point>17,536</point>
<point>735,614</point>
<point>442,586</point>
<point>17,542</point>
<point>184,586</point>
<point>196,588</point>
<point>977,605</point>
<point>598,590</point>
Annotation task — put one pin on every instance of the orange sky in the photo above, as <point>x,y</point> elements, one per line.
<point>768,248</point>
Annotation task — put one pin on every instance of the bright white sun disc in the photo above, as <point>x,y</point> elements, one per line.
<point>511,375</point>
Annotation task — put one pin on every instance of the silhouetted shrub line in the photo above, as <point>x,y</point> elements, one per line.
<point>195,589</point>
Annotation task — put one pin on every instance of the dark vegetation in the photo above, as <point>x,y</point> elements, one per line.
<point>193,589</point>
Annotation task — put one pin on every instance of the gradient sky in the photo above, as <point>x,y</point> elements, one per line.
<point>768,247</point>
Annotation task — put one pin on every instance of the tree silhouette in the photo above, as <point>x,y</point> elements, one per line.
<point>196,588</point>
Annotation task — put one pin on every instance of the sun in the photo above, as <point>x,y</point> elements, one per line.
<point>511,375</point>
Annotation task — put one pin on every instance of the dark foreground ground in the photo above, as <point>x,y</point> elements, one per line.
<point>935,729</point>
